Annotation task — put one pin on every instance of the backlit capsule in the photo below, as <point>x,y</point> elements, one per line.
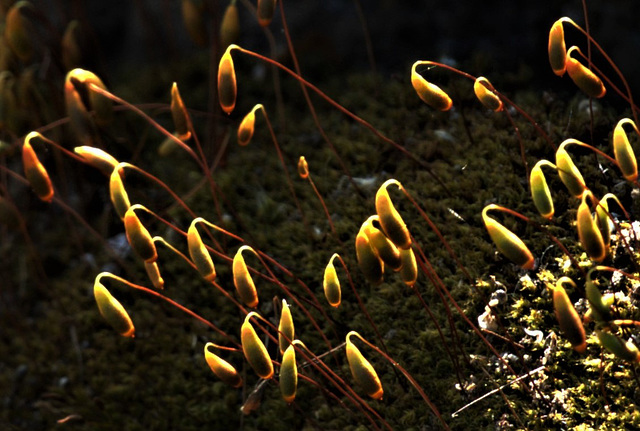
<point>221,368</point>
<point>246,128</point>
<point>153,271</point>
<point>540,192</point>
<point>97,158</point>
<point>368,261</point>
<point>303,168</point>
<point>35,172</point>
<point>242,279</point>
<point>363,373</point>
<point>288,375</point>
<point>626,351</point>
<point>429,93</point>
<point>600,310</point>
<point>486,94</point>
<point>117,192</point>
<point>227,87</point>
<point>179,114</point>
<point>623,152</point>
<point>507,243</point>
<point>392,224</point>
<point>286,330</point>
<point>199,253</point>
<point>112,311</point>
<point>139,237</point>
<point>331,283</point>
<point>254,350</point>
<point>382,246</point>
<point>568,171</point>
<point>568,318</point>
<point>557,49</point>
<point>585,79</point>
<point>409,269</point>
<point>588,232</point>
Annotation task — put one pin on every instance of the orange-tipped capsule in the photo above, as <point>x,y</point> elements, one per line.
<point>362,371</point>
<point>242,279</point>
<point>193,17</point>
<point>97,158</point>
<point>588,232</point>
<point>507,243</point>
<point>303,168</point>
<point>409,269</point>
<point>34,170</point>
<point>625,157</point>
<point>557,49</point>
<point>625,351</point>
<point>138,236</point>
<point>18,30</point>
<point>230,25</point>
<point>227,87</point>
<point>540,192</point>
<point>153,271</point>
<point>370,264</point>
<point>568,171</point>
<point>586,80</point>
<point>289,375</point>
<point>286,331</point>
<point>117,192</point>
<point>392,224</point>
<point>179,114</point>
<point>112,311</point>
<point>265,11</point>
<point>199,253</point>
<point>331,283</point>
<point>568,318</point>
<point>486,94</point>
<point>254,350</point>
<point>247,125</point>
<point>221,368</point>
<point>78,81</point>
<point>429,93</point>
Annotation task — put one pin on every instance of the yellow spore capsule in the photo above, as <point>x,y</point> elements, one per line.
<point>392,224</point>
<point>246,128</point>
<point>585,79</point>
<point>230,25</point>
<point>242,279</point>
<point>603,220</point>
<point>568,318</point>
<point>254,350</point>
<point>588,232</point>
<point>97,158</point>
<point>199,253</point>
<point>331,283</point>
<point>486,94</point>
<point>288,375</point>
<point>429,93</point>
<point>409,269</point>
<point>79,80</point>
<point>601,311</point>
<point>362,371</point>
<point>507,243</point>
<point>568,171</point>
<point>286,329</point>
<point>557,49</point>
<point>179,114</point>
<point>370,264</point>
<point>112,311</point>
<point>221,368</point>
<point>227,87</point>
<point>139,237</point>
<point>35,172</point>
<point>625,351</point>
<point>153,271</point>
<point>623,152</point>
<point>382,246</point>
<point>117,192</point>
<point>265,11</point>
<point>303,168</point>
<point>540,192</point>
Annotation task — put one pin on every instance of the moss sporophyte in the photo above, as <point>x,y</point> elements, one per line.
<point>400,290</point>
